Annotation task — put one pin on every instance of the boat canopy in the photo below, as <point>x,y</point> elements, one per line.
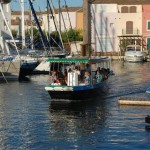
<point>78,60</point>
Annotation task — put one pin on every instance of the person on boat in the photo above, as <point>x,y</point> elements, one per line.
<point>77,70</point>
<point>57,82</point>
<point>87,78</point>
<point>99,76</point>
<point>88,68</point>
<point>65,77</point>
<point>53,77</point>
<point>69,70</point>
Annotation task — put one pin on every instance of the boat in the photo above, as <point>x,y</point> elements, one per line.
<point>134,53</point>
<point>28,64</point>
<point>28,56</point>
<point>77,86</point>
<point>9,69</point>
<point>148,90</point>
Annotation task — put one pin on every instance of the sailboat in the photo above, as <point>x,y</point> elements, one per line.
<point>59,51</point>
<point>28,63</point>
<point>9,68</point>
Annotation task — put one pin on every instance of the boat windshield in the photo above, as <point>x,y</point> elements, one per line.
<point>133,49</point>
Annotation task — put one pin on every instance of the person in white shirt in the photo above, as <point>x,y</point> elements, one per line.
<point>77,70</point>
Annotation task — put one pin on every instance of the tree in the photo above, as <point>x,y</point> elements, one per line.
<point>14,33</point>
<point>73,35</point>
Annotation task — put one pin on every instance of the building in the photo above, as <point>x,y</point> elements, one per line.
<point>104,31</point>
<point>16,20</point>
<point>146,25</point>
<point>118,23</point>
<point>72,17</point>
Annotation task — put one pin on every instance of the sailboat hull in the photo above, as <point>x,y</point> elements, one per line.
<point>27,69</point>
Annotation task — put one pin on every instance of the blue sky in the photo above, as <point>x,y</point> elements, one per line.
<point>15,5</point>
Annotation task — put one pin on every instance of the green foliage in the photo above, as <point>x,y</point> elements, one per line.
<point>14,33</point>
<point>73,35</point>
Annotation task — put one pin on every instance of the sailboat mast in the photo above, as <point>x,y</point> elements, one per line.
<point>31,28</point>
<point>59,16</point>
<point>44,40</point>
<point>48,19</point>
<point>22,24</point>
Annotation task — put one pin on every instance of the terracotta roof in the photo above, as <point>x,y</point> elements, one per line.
<point>27,22</point>
<point>121,2</point>
<point>70,9</point>
<point>26,13</point>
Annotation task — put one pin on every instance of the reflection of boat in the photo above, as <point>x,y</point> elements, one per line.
<point>76,86</point>
<point>134,53</point>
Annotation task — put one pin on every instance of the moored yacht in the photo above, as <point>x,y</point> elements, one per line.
<point>134,53</point>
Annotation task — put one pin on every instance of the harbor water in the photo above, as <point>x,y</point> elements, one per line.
<point>30,120</point>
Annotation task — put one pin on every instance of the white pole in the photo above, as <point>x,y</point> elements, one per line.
<point>22,24</point>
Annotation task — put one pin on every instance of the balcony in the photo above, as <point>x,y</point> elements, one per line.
<point>131,32</point>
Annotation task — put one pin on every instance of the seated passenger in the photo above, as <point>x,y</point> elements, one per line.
<point>53,77</point>
<point>87,78</point>
<point>99,76</point>
<point>88,68</point>
<point>57,82</point>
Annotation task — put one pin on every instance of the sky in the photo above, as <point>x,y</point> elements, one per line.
<point>41,4</point>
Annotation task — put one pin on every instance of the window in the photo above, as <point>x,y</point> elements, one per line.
<point>132,9</point>
<point>148,25</point>
<point>124,9</point>
<point>129,27</point>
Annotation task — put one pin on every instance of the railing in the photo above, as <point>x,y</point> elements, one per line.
<point>131,32</point>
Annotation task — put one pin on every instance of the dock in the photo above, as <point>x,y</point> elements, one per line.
<point>133,101</point>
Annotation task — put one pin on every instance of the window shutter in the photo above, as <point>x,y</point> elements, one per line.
<point>148,25</point>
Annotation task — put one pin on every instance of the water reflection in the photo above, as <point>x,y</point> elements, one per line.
<point>73,121</point>
<point>29,119</point>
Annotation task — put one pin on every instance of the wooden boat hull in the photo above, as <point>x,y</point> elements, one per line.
<point>76,92</point>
